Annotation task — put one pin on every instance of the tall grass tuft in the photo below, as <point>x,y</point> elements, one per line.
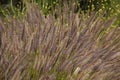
<point>71,47</point>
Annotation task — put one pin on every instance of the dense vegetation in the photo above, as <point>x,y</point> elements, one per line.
<point>107,7</point>
<point>60,40</point>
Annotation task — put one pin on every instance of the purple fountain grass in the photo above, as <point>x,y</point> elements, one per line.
<point>67,48</point>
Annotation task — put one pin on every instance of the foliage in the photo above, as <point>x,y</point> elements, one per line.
<point>108,7</point>
<point>67,48</point>
<point>14,8</point>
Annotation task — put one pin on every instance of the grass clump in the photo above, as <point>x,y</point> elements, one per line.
<point>71,47</point>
